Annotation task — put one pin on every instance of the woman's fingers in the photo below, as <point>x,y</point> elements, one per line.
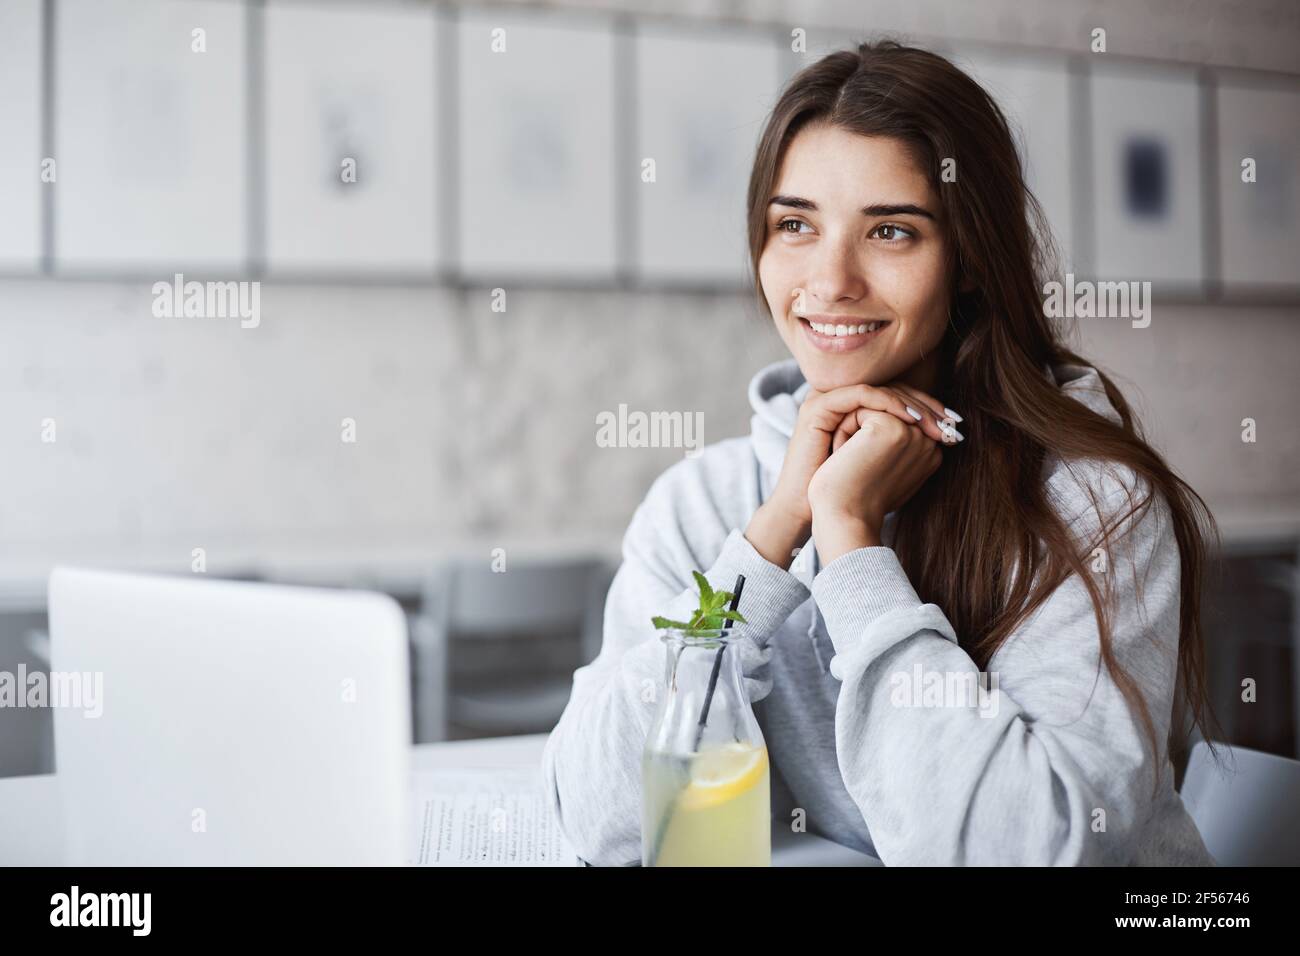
<point>848,427</point>
<point>944,419</point>
<point>919,399</point>
<point>836,411</point>
<point>829,409</point>
<point>855,420</point>
<point>918,413</point>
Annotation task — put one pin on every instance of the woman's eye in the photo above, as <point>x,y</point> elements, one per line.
<point>892,233</point>
<point>888,232</point>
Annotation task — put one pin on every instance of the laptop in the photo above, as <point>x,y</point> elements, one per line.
<point>238,723</point>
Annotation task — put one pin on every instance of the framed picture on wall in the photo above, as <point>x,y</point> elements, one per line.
<point>351,166</point>
<point>150,135</point>
<point>1258,187</point>
<point>21,167</point>
<point>1034,93</point>
<point>537,147</point>
<point>1147,176</point>
<point>702,99</point>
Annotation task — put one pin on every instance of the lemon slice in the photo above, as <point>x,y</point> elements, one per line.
<point>720,775</point>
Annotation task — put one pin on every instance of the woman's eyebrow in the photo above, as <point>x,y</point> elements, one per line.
<point>878,209</point>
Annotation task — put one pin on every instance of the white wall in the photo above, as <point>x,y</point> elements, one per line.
<point>180,433</point>
<point>472,426</point>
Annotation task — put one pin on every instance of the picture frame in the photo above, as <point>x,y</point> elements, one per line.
<point>151,136</point>
<point>1147,177</point>
<point>352,140</point>
<point>702,98</point>
<point>23,170</point>
<point>1034,94</point>
<point>1258,204</point>
<point>536,147</point>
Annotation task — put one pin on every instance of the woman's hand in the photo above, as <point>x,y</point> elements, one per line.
<point>826,421</point>
<point>877,465</point>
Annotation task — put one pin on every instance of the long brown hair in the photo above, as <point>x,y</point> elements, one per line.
<point>981,539</point>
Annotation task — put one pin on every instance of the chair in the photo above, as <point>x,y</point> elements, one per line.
<point>1252,626</point>
<point>1250,817</point>
<point>27,734</point>
<point>465,601</point>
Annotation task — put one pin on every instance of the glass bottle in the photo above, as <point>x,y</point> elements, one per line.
<point>705,796</point>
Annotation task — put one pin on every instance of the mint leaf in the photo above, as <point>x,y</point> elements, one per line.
<point>713,610</point>
<point>662,623</point>
<point>706,589</point>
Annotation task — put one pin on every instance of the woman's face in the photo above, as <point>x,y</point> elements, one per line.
<point>854,239</point>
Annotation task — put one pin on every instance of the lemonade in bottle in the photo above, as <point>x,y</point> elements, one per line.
<point>706,798</point>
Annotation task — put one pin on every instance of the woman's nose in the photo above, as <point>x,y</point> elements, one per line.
<point>835,273</point>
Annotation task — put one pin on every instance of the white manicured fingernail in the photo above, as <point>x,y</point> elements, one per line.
<point>913,412</point>
<point>951,414</point>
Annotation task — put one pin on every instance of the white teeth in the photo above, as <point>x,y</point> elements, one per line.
<point>826,328</point>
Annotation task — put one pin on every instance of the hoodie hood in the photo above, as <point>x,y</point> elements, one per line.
<point>775,394</point>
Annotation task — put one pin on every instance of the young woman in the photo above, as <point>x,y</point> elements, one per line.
<point>979,499</point>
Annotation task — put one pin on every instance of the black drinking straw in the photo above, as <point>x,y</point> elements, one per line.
<point>717,665</point>
<point>704,716</point>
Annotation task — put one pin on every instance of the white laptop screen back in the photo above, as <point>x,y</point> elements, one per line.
<point>240,723</point>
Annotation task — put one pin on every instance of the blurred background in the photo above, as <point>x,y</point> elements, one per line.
<point>464,258</point>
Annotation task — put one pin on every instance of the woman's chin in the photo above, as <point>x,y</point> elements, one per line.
<point>825,373</point>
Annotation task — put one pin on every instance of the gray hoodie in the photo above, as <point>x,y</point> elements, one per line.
<point>881,733</point>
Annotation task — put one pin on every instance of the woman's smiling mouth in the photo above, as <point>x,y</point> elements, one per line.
<point>831,333</point>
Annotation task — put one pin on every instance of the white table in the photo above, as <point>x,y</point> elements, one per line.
<point>31,832</point>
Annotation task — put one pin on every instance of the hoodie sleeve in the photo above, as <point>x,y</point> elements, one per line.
<point>591,764</point>
<point>1051,766</point>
